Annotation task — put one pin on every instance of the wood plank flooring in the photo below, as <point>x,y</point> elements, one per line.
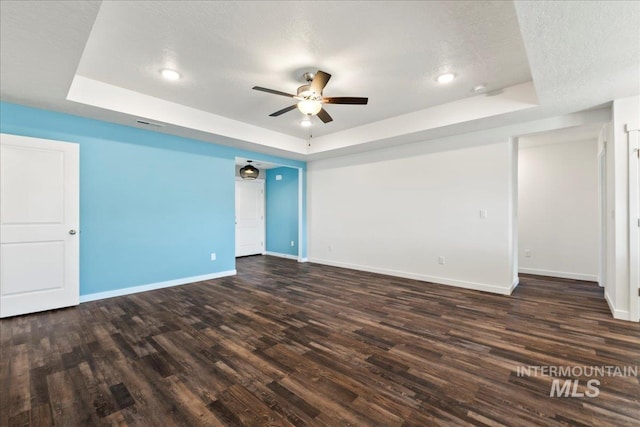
<point>284,344</point>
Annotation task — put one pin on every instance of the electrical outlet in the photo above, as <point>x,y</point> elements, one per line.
<point>330,248</point>
<point>483,213</point>
<point>441,260</point>
<point>527,253</point>
<point>293,243</point>
<point>213,256</point>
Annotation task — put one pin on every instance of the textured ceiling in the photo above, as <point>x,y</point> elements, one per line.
<point>40,48</point>
<point>582,50</point>
<point>388,51</point>
<point>579,55</point>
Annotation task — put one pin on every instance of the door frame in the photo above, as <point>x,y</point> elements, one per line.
<point>302,238</point>
<point>602,206</point>
<point>602,209</point>
<point>634,222</point>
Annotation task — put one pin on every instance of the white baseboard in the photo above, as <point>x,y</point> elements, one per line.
<point>303,259</point>
<point>278,254</point>
<point>514,285</point>
<point>415,276</point>
<point>560,274</point>
<point>617,314</point>
<point>159,285</point>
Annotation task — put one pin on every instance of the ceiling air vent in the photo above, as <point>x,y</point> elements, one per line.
<point>146,123</point>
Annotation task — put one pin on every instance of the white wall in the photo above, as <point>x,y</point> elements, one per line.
<point>558,209</point>
<point>396,211</point>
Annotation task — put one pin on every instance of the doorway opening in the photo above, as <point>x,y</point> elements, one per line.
<point>561,202</point>
<point>269,211</point>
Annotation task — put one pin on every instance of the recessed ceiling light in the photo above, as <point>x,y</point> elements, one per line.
<point>306,122</point>
<point>445,78</point>
<point>479,88</point>
<point>170,74</point>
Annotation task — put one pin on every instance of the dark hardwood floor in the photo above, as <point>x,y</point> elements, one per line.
<point>284,343</point>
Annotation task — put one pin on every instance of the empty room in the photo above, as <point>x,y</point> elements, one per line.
<point>319,213</point>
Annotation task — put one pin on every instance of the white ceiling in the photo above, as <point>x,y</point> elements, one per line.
<point>106,56</point>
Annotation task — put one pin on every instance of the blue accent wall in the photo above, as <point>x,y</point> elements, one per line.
<point>152,206</point>
<point>282,210</point>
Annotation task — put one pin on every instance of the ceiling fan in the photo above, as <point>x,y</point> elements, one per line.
<point>310,97</point>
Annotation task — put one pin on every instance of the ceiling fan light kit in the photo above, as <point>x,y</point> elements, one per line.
<point>309,107</point>
<point>310,98</point>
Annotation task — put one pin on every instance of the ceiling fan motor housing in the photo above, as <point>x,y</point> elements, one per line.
<point>305,92</point>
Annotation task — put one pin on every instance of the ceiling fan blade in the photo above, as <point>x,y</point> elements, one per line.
<point>284,110</point>
<point>319,81</point>
<point>275,92</point>
<point>324,116</point>
<point>346,100</point>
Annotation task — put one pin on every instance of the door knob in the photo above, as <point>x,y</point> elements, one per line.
<point>72,231</point>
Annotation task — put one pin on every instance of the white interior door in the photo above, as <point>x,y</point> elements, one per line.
<point>250,226</point>
<point>39,220</point>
